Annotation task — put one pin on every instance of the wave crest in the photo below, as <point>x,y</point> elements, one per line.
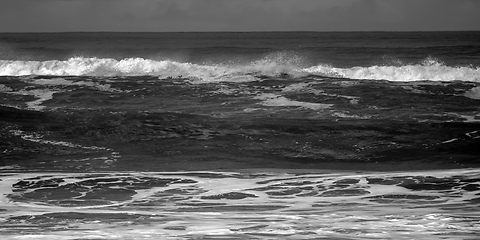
<point>428,70</point>
<point>273,65</point>
<point>80,66</point>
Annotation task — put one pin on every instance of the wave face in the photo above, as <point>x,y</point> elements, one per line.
<point>80,66</point>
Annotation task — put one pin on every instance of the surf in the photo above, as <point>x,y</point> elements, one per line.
<point>270,66</point>
<point>428,70</point>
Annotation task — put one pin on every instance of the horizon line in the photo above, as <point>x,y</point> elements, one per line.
<point>255,31</point>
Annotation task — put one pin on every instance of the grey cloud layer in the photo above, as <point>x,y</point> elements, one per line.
<point>238,15</point>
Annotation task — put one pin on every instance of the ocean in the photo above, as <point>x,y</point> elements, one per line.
<point>240,135</point>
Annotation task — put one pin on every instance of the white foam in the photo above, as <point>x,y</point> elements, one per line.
<point>271,65</point>
<point>37,138</point>
<point>346,115</point>
<point>45,94</point>
<point>298,87</point>
<point>4,88</point>
<point>473,93</point>
<point>42,95</point>
<point>419,72</point>
<point>64,82</point>
<point>80,66</point>
<point>183,213</point>
<point>274,100</point>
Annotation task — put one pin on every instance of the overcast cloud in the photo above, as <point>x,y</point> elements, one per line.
<point>238,15</point>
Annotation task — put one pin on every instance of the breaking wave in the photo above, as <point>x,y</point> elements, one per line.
<point>428,70</point>
<point>80,66</point>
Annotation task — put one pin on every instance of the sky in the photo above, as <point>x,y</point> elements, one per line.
<point>238,15</point>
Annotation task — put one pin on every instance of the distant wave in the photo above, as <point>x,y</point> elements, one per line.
<point>80,66</point>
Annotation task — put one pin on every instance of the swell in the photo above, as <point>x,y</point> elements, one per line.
<point>271,66</point>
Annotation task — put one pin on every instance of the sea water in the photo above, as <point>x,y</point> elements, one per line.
<point>278,135</point>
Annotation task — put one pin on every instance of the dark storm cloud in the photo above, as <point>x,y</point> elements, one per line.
<point>238,15</point>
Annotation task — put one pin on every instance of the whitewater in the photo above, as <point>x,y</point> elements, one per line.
<point>81,66</point>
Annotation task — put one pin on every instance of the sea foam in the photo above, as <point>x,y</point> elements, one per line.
<point>270,66</point>
<point>433,71</point>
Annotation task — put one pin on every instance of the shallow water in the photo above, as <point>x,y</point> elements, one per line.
<point>235,205</point>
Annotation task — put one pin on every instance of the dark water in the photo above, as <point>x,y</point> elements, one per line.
<point>240,135</point>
